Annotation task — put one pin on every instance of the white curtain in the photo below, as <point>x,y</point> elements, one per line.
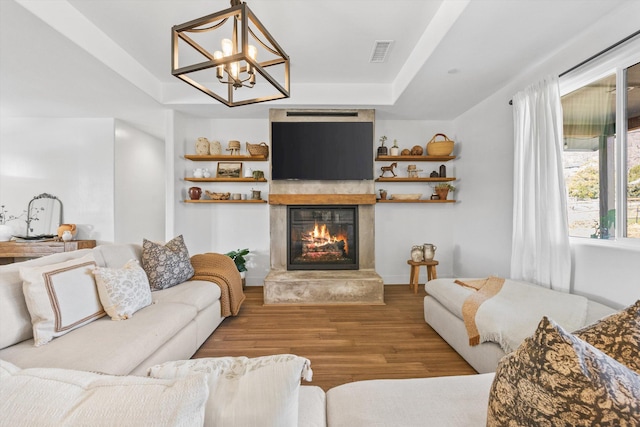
<point>540,243</point>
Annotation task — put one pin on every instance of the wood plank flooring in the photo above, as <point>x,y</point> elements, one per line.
<point>343,343</point>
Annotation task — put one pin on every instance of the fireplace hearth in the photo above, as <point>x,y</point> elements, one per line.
<point>322,237</point>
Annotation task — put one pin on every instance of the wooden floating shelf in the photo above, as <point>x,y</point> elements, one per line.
<point>414,158</point>
<point>406,179</point>
<point>415,201</point>
<point>223,158</point>
<point>225,180</point>
<point>225,201</point>
<point>322,199</point>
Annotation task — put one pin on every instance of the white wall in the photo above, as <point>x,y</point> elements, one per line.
<point>69,158</point>
<point>483,234</point>
<point>139,185</point>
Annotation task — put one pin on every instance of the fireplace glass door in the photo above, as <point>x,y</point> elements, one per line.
<point>322,237</point>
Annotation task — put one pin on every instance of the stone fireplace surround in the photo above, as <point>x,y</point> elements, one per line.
<point>362,286</point>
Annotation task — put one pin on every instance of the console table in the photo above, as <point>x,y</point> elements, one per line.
<point>11,250</point>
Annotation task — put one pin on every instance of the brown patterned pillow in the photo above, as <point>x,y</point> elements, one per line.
<point>556,379</point>
<point>617,335</point>
<point>166,265</point>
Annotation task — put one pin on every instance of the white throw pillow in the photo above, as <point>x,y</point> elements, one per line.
<point>60,297</point>
<point>54,397</point>
<point>123,291</point>
<point>262,391</point>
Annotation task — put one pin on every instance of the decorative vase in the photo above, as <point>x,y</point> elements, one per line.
<point>382,151</point>
<point>417,254</point>
<point>215,148</point>
<point>429,251</point>
<point>195,193</point>
<point>202,146</point>
<point>66,236</point>
<point>383,195</point>
<point>395,151</point>
<point>6,232</point>
<point>442,193</point>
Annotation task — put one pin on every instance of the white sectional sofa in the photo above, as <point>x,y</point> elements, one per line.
<point>183,316</point>
<point>173,327</point>
<point>443,312</point>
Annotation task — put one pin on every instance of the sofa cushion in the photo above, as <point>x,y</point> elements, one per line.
<point>556,379</point>
<point>61,297</point>
<point>54,397</point>
<point>198,293</point>
<point>617,335</point>
<point>261,391</point>
<point>116,255</point>
<point>15,321</point>
<point>166,265</point>
<point>107,346</point>
<point>457,401</point>
<point>123,291</point>
<point>449,294</point>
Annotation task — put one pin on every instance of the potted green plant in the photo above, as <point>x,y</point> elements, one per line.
<point>442,190</point>
<point>238,257</point>
<point>382,150</point>
<point>395,150</point>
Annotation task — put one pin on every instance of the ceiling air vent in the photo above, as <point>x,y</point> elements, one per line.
<point>380,50</point>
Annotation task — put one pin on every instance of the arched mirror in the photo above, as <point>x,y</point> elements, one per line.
<point>44,216</point>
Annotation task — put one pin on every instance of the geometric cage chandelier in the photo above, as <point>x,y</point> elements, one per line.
<point>246,66</point>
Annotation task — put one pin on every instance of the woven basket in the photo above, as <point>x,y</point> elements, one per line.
<point>439,148</point>
<point>261,149</point>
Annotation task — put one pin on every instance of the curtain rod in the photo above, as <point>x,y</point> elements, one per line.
<point>591,58</point>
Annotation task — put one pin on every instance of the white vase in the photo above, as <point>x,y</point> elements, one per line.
<point>395,151</point>
<point>6,232</point>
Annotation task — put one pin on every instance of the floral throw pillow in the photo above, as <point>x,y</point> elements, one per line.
<point>617,335</point>
<point>556,379</point>
<point>123,291</point>
<point>166,265</point>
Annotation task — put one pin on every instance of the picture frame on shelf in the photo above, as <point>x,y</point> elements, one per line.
<point>229,170</point>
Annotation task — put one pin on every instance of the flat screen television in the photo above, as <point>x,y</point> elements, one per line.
<point>322,150</point>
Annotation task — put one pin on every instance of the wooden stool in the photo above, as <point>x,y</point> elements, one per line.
<point>415,272</point>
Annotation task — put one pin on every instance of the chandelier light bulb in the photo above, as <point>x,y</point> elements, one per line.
<point>227,47</point>
<point>234,70</point>
<point>253,52</point>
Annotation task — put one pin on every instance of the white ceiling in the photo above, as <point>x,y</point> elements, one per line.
<point>78,58</point>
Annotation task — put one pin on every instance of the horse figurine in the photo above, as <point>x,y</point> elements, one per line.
<point>389,168</point>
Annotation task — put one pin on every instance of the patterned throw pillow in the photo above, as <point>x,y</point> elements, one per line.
<point>262,391</point>
<point>123,291</point>
<point>556,379</point>
<point>166,265</point>
<point>60,297</point>
<point>617,335</point>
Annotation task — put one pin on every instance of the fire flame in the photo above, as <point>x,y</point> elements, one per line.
<point>320,235</point>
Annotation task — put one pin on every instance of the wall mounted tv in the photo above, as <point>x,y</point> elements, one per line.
<point>322,150</point>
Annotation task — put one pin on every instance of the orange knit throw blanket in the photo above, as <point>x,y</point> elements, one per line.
<point>221,270</point>
<point>485,289</point>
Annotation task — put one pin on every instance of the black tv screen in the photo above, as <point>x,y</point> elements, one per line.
<point>322,150</point>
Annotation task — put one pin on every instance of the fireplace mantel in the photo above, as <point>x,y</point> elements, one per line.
<point>322,199</point>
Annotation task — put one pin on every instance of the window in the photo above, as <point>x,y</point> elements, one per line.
<point>602,151</point>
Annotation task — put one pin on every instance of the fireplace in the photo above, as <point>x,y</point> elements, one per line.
<point>322,237</point>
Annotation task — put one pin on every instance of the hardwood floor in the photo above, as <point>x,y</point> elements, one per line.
<point>343,343</point>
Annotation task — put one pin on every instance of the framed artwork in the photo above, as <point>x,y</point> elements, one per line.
<point>229,170</point>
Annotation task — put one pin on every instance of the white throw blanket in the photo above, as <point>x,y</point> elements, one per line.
<point>515,311</point>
